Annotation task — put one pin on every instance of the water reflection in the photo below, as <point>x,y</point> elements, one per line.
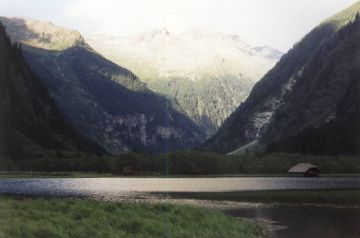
<point>306,221</point>
<point>299,221</point>
<point>131,186</point>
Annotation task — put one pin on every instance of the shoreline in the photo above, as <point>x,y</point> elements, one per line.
<point>265,225</point>
<point>76,174</point>
<point>336,198</point>
<point>325,197</point>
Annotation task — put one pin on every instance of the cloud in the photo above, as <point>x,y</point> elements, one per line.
<point>119,17</point>
<point>278,23</point>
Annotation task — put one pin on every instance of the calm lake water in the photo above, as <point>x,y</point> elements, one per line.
<point>306,221</point>
<point>118,186</point>
<point>296,221</point>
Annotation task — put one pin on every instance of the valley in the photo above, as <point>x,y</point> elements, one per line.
<point>298,107</point>
<point>105,102</point>
<point>113,127</point>
<point>205,74</point>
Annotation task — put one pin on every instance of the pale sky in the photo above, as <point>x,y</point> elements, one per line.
<point>277,23</point>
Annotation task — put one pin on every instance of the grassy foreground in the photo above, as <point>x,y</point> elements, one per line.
<point>341,197</point>
<point>55,218</point>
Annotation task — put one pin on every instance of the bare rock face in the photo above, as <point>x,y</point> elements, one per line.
<point>105,102</point>
<point>298,103</point>
<point>206,74</point>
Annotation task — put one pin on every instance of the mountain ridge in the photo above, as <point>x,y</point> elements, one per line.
<point>106,102</point>
<point>162,44</point>
<point>41,34</point>
<point>216,70</point>
<point>294,95</point>
<point>29,118</point>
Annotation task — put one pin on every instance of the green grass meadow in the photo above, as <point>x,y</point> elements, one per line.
<point>75,218</point>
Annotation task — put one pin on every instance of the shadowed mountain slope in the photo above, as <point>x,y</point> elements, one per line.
<point>206,74</point>
<point>311,94</point>
<point>105,102</point>
<point>29,117</point>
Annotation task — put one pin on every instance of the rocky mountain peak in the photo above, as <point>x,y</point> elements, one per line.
<point>194,52</point>
<point>41,34</point>
<point>154,35</point>
<point>199,34</point>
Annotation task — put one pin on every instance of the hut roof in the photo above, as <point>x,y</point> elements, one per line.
<point>302,168</point>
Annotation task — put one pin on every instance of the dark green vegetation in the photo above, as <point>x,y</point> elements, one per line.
<point>309,102</point>
<point>40,218</point>
<point>41,160</point>
<point>206,75</point>
<point>340,134</point>
<point>121,113</point>
<point>176,163</point>
<point>193,163</point>
<point>29,118</point>
<point>338,197</point>
<point>207,101</point>
<point>105,102</point>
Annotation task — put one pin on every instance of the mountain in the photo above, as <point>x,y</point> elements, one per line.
<point>29,118</point>
<point>105,102</point>
<point>309,102</point>
<point>206,75</point>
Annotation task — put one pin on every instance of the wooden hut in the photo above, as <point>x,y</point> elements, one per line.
<point>304,170</point>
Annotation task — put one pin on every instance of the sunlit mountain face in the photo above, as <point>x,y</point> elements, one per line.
<point>205,74</point>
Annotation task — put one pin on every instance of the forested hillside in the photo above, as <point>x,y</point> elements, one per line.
<point>106,102</point>
<point>29,118</point>
<point>205,74</point>
<point>308,103</point>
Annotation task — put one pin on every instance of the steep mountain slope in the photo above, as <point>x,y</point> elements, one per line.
<point>105,102</point>
<point>303,96</point>
<point>206,74</point>
<point>28,115</point>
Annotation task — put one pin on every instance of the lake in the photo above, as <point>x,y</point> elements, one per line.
<point>118,186</point>
<point>306,220</point>
<point>292,220</point>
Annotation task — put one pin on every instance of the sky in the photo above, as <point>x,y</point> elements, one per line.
<point>277,23</point>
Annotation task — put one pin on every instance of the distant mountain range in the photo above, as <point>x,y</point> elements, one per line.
<point>309,102</point>
<point>206,75</point>
<point>159,91</point>
<point>103,101</point>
